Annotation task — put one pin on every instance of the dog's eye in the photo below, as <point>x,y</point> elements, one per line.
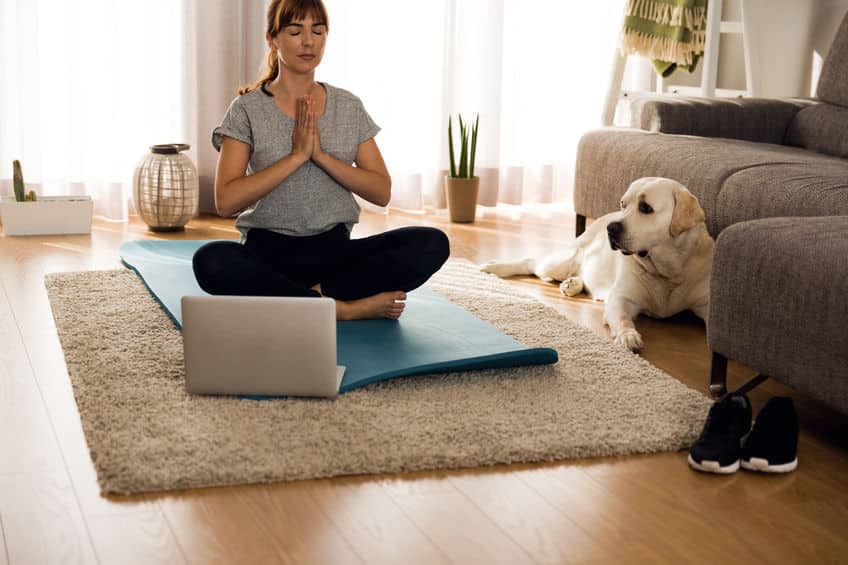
<point>645,208</point>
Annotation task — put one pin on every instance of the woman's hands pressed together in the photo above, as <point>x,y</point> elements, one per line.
<point>306,142</point>
<point>303,136</point>
<point>367,177</point>
<point>317,152</point>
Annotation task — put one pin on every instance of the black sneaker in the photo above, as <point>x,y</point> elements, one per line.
<point>772,446</point>
<point>719,447</point>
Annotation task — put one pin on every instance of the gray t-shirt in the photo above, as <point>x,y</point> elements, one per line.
<point>309,201</point>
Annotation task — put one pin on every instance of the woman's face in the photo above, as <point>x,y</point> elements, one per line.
<point>300,45</point>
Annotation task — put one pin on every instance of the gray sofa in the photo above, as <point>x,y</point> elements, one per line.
<point>750,162</point>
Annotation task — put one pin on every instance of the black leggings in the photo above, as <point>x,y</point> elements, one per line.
<point>272,264</point>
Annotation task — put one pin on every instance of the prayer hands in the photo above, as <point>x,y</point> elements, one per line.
<point>303,136</point>
<point>306,141</point>
<point>317,152</point>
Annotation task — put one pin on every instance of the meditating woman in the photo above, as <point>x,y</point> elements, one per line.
<point>293,152</point>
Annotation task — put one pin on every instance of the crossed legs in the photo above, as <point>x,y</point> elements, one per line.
<point>368,277</point>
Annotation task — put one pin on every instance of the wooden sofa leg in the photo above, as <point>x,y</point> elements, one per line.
<point>580,225</point>
<point>718,375</point>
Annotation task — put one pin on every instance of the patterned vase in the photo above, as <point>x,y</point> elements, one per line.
<point>165,188</point>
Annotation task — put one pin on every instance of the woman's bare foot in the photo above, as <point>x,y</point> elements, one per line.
<point>384,305</point>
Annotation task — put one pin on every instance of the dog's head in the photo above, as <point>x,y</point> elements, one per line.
<point>654,210</point>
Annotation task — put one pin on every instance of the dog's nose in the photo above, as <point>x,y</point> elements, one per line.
<point>614,229</point>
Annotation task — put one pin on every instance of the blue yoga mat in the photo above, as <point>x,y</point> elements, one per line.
<point>432,336</point>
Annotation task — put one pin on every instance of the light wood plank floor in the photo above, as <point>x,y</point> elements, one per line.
<point>629,509</point>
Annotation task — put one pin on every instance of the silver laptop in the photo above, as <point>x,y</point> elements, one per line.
<point>257,345</point>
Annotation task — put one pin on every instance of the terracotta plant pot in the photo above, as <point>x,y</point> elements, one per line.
<point>462,198</point>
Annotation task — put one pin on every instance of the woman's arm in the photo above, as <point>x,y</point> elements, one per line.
<point>234,190</point>
<point>369,178</point>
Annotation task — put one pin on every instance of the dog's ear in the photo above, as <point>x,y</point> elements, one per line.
<point>687,212</point>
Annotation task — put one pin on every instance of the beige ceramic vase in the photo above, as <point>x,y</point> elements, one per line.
<point>461,195</point>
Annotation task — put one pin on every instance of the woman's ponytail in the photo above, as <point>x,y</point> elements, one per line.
<point>273,69</point>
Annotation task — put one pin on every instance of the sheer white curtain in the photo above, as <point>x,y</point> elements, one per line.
<point>86,86</point>
<point>535,70</point>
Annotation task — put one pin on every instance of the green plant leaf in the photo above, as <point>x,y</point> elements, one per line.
<point>463,154</point>
<point>473,145</point>
<point>450,148</point>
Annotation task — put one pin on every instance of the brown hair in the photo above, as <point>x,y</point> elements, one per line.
<point>280,14</point>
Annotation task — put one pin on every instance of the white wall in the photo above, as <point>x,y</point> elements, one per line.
<point>791,36</point>
<point>826,19</point>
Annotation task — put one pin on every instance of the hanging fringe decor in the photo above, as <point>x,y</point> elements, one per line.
<point>670,32</point>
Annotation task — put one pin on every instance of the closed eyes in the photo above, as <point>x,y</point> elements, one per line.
<point>295,29</point>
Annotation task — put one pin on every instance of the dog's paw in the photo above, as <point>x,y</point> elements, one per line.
<point>495,268</point>
<point>630,339</point>
<point>572,286</point>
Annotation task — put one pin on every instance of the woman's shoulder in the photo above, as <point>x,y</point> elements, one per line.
<point>342,96</point>
<point>249,100</point>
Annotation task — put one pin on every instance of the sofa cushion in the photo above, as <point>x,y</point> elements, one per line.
<point>833,80</point>
<point>777,302</point>
<point>784,187</point>
<point>752,119</point>
<point>609,159</point>
<point>822,128</point>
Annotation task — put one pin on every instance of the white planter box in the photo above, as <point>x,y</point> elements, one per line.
<point>49,215</point>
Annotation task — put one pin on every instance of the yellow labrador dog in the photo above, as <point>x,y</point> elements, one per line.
<point>653,257</point>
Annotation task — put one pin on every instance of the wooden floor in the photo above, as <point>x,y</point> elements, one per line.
<point>629,509</point>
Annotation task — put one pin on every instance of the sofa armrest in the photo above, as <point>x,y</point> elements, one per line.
<point>763,120</point>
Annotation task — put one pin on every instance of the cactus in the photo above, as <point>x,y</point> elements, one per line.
<point>18,176</point>
<point>466,161</point>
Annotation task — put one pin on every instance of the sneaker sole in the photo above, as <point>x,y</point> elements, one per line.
<point>762,465</point>
<point>706,466</point>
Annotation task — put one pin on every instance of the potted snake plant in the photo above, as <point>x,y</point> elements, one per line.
<point>461,186</point>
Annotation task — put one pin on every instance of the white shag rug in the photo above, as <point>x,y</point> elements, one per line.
<point>145,433</point>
